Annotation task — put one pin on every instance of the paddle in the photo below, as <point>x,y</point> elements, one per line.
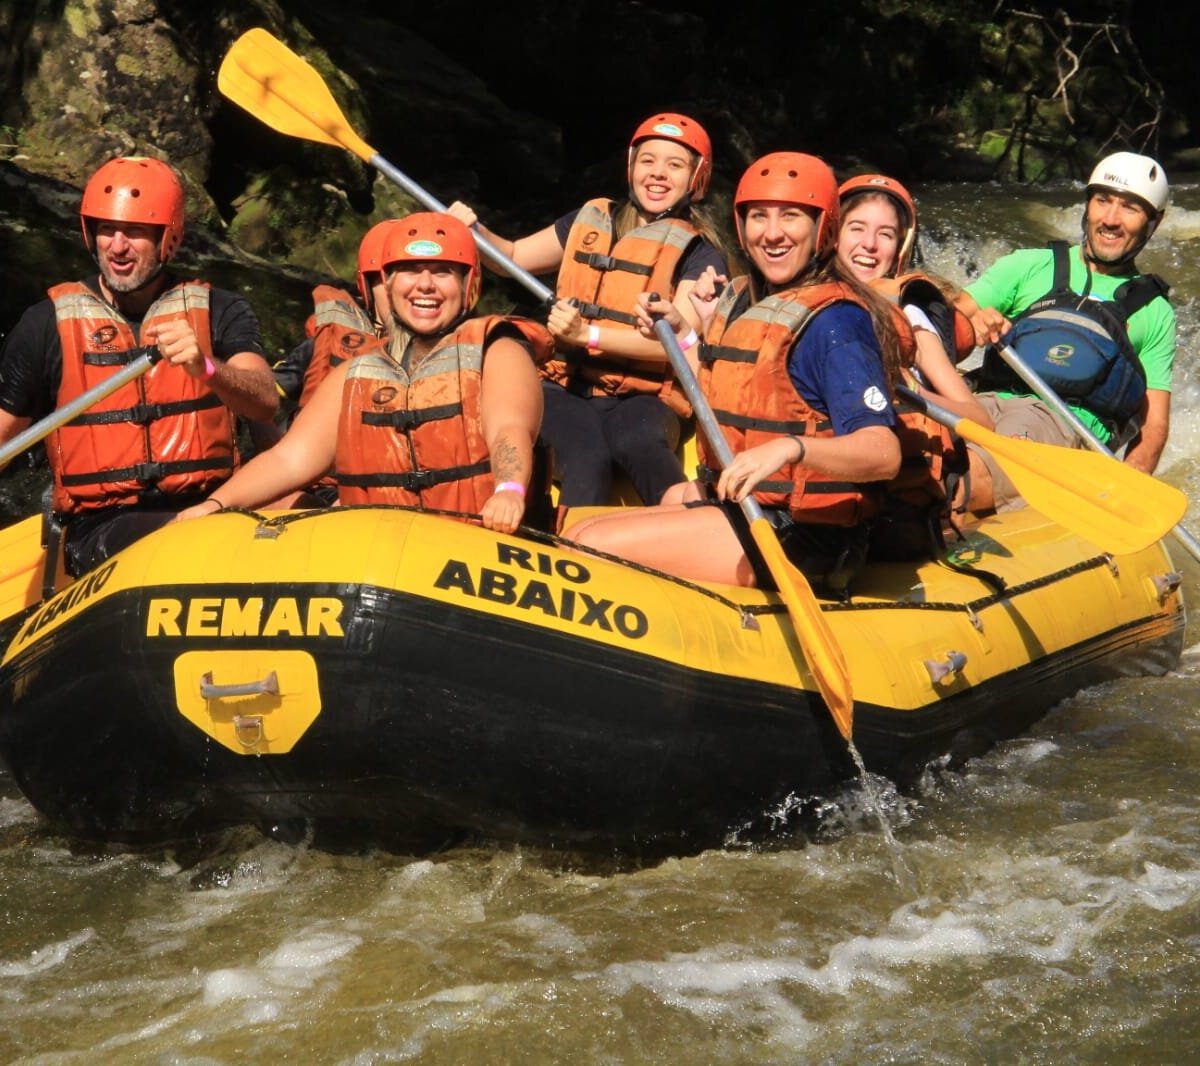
<point>44,427</point>
<point>817,642</point>
<point>22,556</point>
<point>1110,504</point>
<point>1068,417</point>
<point>268,79</point>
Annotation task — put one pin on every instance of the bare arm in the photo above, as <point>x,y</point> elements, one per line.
<point>511,415</point>
<point>10,426</point>
<point>566,324</point>
<point>244,382</point>
<point>945,383</point>
<point>539,253</point>
<point>868,454</point>
<point>990,325</point>
<point>304,453</point>
<point>1147,447</point>
<point>246,386</point>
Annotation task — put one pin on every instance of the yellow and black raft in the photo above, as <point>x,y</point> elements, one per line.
<point>400,675</point>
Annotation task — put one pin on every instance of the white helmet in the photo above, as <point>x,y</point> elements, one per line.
<point>1135,175</point>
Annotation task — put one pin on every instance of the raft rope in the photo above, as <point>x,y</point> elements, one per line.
<point>969,607</point>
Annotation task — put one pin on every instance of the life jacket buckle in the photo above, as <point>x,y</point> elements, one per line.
<point>149,473</point>
<point>415,480</point>
<point>142,413</point>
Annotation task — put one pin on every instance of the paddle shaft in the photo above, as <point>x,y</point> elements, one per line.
<point>1068,417</point>
<point>62,415</point>
<point>1112,505</point>
<point>263,75</point>
<point>817,642</point>
<point>489,251</point>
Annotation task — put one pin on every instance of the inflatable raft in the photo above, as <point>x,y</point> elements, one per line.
<point>404,676</point>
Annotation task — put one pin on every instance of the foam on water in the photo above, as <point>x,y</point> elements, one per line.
<point>47,957</point>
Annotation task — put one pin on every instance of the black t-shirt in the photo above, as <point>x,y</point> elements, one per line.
<point>31,359</point>
<point>290,370</point>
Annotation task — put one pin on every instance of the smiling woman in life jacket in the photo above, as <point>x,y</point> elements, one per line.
<point>1098,331</point>
<point>444,417</point>
<point>878,244</point>
<point>609,394</point>
<point>797,362</point>
<point>339,329</point>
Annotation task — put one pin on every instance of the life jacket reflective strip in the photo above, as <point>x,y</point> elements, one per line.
<point>340,330</point>
<point>744,374</point>
<point>166,431</point>
<point>604,276</point>
<point>414,436</point>
<point>1080,346</point>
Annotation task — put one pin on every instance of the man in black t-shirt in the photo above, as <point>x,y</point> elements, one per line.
<point>163,441</point>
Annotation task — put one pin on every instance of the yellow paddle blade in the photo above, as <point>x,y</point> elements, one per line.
<point>22,560</point>
<point>820,647</point>
<point>1104,500</point>
<point>268,79</point>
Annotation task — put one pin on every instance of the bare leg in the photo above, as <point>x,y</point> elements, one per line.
<point>982,494</point>
<point>684,492</point>
<point>696,543</point>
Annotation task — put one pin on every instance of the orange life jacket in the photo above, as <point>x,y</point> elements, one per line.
<point>924,443</point>
<point>954,329</point>
<point>605,276</point>
<point>413,435</point>
<point>932,458</point>
<point>930,454</point>
<point>166,430</point>
<point>340,330</point>
<point>743,372</point>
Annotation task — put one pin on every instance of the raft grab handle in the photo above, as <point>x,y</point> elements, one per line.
<point>1165,584</point>
<point>268,686</point>
<point>951,667</point>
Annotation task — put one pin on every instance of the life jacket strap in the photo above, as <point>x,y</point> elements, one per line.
<point>415,480</point>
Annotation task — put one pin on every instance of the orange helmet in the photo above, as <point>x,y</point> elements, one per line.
<point>669,126</point>
<point>905,205</point>
<point>135,189</point>
<point>370,256</point>
<point>792,178</point>
<point>433,237</point>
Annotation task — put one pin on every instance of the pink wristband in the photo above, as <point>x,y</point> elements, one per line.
<point>690,341</point>
<point>210,370</point>
<point>593,337</point>
<point>511,486</point>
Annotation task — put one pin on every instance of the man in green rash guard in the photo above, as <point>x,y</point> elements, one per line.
<point>1096,279</point>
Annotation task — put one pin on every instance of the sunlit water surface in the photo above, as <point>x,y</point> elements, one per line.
<point>1053,914</point>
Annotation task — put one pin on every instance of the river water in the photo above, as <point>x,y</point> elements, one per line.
<point>1052,916</point>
